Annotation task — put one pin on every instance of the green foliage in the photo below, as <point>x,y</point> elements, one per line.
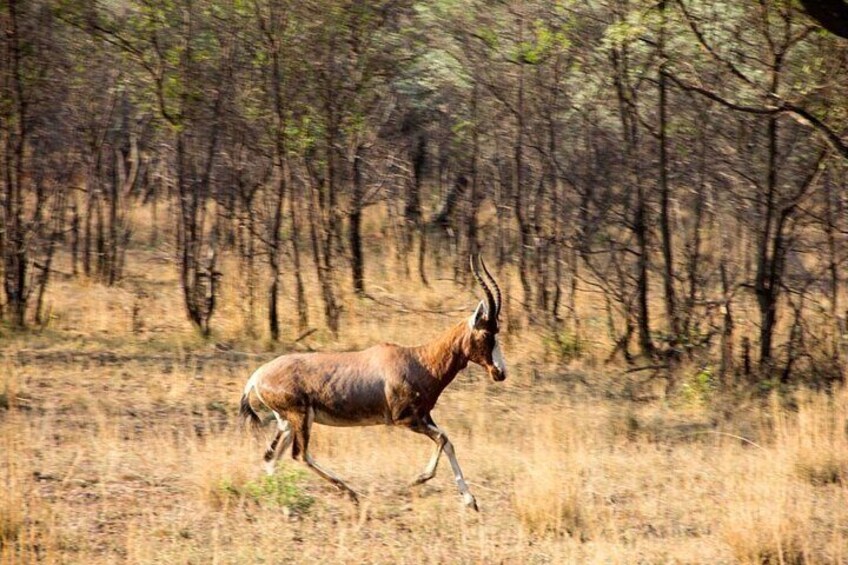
<point>489,36</point>
<point>302,135</point>
<point>218,406</point>
<point>431,72</point>
<point>564,345</point>
<point>283,489</point>
<point>623,32</point>
<point>545,43</point>
<point>698,388</point>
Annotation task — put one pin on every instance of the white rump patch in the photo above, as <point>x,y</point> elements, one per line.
<point>251,382</point>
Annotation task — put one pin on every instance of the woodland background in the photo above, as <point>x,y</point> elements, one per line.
<point>189,188</point>
<point>681,164</point>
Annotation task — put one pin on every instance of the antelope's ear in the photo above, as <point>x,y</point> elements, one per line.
<point>478,319</point>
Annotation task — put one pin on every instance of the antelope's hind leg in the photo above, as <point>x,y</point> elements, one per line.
<point>278,445</point>
<point>302,427</point>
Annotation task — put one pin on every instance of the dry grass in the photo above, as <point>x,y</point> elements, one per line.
<point>96,470</point>
<point>119,443</point>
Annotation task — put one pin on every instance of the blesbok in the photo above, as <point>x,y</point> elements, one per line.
<point>385,384</point>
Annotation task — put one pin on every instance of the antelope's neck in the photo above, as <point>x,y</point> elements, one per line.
<point>445,356</point>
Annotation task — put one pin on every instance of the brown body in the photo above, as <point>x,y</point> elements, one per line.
<point>385,384</point>
<point>392,384</point>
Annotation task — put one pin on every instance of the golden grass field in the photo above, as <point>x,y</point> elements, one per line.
<point>119,442</point>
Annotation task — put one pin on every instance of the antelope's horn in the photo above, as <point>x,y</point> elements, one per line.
<point>494,284</point>
<point>493,307</point>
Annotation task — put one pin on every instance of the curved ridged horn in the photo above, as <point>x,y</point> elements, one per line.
<point>492,314</point>
<point>494,284</point>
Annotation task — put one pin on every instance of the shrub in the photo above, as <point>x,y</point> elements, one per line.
<point>564,345</point>
<point>282,489</point>
<point>699,387</point>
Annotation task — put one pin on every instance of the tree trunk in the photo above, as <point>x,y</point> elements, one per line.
<point>833,268</point>
<point>473,195</point>
<point>764,289</point>
<point>518,195</point>
<point>300,292</point>
<point>355,223</point>
<point>640,227</point>
<point>665,221</point>
<point>15,259</point>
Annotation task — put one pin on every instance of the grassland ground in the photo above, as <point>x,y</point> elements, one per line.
<point>119,442</point>
<point>144,462</point>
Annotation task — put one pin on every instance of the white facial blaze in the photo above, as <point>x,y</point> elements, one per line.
<point>498,358</point>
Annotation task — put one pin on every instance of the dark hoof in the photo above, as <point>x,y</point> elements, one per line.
<point>421,479</point>
<point>353,497</point>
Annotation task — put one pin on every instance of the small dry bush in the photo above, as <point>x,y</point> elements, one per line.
<point>817,437</point>
<point>13,484</point>
<point>12,493</point>
<point>768,520</point>
<point>548,493</point>
<point>21,516</point>
<point>771,516</point>
<point>218,465</point>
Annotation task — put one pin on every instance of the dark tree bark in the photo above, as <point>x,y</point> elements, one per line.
<point>355,222</point>
<point>672,314</point>
<point>518,189</point>
<point>14,243</point>
<point>831,14</point>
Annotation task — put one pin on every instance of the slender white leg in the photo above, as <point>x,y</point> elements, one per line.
<point>279,445</point>
<point>340,484</point>
<point>467,497</point>
<point>444,444</point>
<point>430,470</point>
<point>307,458</point>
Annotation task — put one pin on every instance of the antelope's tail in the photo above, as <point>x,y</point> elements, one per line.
<point>248,415</point>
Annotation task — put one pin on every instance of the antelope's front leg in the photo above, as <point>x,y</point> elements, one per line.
<point>440,439</point>
<point>429,428</point>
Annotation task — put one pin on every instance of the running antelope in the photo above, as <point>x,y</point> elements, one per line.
<point>386,384</point>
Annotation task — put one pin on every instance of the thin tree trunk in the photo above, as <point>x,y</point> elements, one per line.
<point>473,195</point>
<point>323,272</point>
<point>665,221</point>
<point>726,364</point>
<point>641,229</point>
<point>15,256</point>
<point>765,291</point>
<point>518,193</point>
<point>355,223</point>
<point>75,237</point>
<point>300,292</point>
<point>833,269</point>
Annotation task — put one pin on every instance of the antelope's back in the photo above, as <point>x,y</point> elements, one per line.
<point>344,389</point>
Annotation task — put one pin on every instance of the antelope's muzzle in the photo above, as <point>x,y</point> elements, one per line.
<point>498,369</point>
